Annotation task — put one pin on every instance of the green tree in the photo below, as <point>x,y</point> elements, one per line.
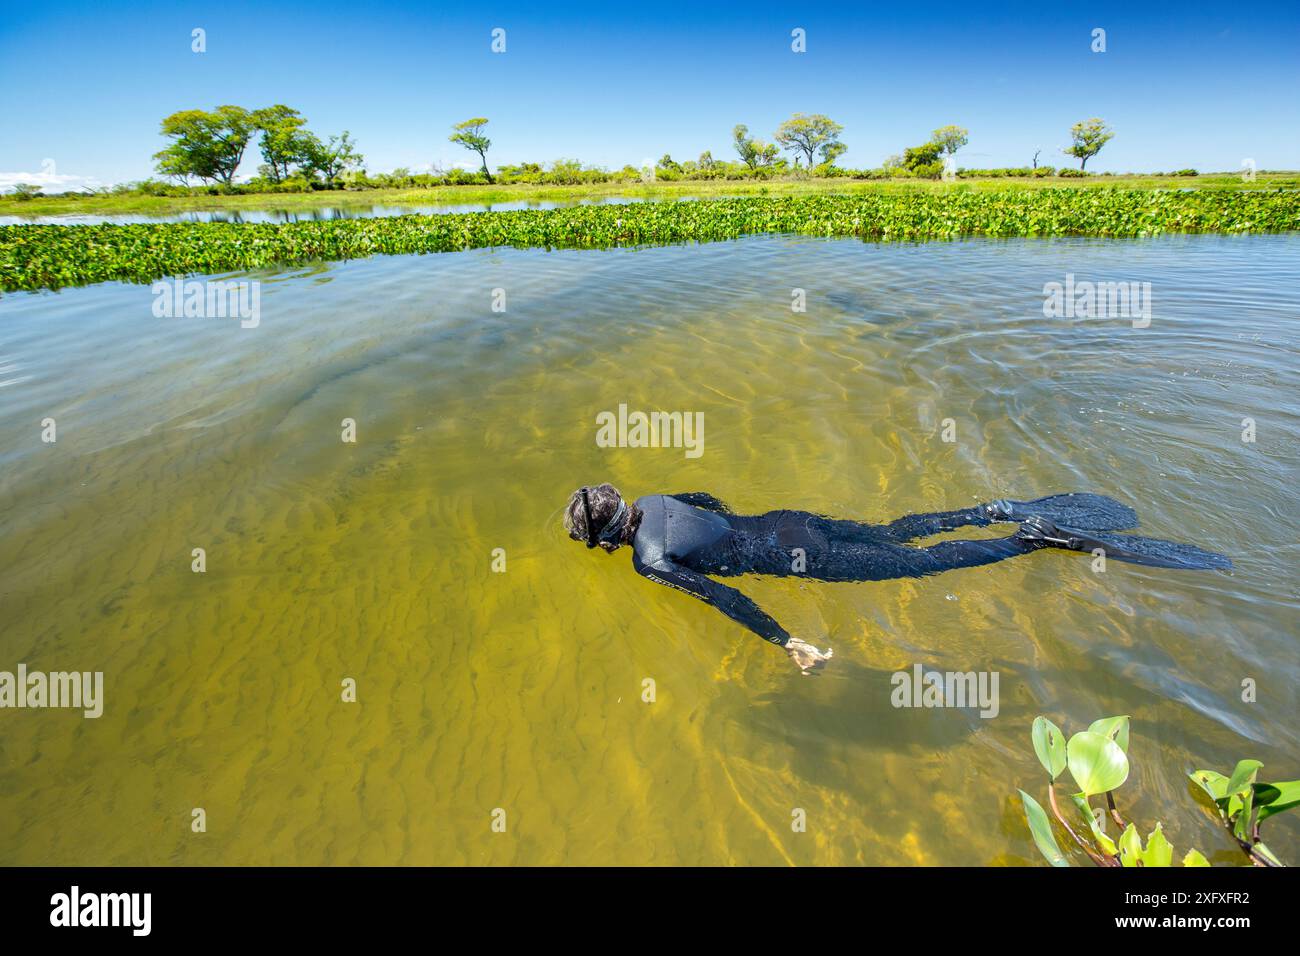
<point>470,135</point>
<point>331,158</point>
<point>284,141</point>
<point>950,139</point>
<point>807,134</point>
<point>754,153</point>
<point>1089,137</point>
<point>927,154</point>
<point>832,151</point>
<point>206,145</point>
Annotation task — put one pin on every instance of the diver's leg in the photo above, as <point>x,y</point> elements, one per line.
<point>883,560</point>
<point>887,560</point>
<point>922,526</point>
<point>1075,509</point>
<point>947,555</point>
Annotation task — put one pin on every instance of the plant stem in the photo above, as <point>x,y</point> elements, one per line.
<point>1114,812</point>
<point>1096,857</point>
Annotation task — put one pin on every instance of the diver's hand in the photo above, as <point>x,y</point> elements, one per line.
<point>806,656</point>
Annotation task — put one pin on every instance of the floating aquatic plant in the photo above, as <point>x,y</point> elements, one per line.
<point>1097,760</point>
<point>52,256</point>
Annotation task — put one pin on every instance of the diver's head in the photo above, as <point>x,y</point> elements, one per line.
<point>598,516</point>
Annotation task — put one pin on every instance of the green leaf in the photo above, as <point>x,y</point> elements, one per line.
<point>1096,762</point>
<point>1130,846</point>
<point>1273,798</point>
<point>1098,834</point>
<point>1212,782</point>
<point>1158,851</point>
<point>1116,728</point>
<point>1049,745</point>
<point>1216,785</point>
<point>1041,829</point>
<point>1194,858</point>
<point>1241,828</point>
<point>1242,777</point>
<point>1237,803</point>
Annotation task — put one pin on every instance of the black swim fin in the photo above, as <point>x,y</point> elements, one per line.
<point>1076,510</point>
<point>1151,552</point>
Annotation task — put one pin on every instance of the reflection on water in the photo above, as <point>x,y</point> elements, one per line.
<point>318,214</point>
<point>522,690</point>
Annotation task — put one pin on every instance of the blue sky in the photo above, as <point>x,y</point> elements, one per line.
<point>86,84</point>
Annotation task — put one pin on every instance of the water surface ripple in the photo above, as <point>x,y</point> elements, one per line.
<point>522,690</point>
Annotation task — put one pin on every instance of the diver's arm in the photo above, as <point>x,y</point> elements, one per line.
<point>728,600</point>
<point>702,499</point>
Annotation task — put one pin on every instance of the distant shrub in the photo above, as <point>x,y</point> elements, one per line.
<point>998,173</point>
<point>155,187</point>
<point>569,172</point>
<point>927,154</point>
<point>1187,172</point>
<point>1076,173</point>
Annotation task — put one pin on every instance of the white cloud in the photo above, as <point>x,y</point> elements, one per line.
<point>49,181</point>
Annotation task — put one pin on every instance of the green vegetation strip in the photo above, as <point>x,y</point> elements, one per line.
<point>49,256</point>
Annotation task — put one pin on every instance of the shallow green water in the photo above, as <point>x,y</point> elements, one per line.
<point>522,690</point>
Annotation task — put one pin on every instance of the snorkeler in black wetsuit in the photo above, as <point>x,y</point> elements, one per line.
<point>679,540</point>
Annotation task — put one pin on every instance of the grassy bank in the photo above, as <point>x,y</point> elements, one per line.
<point>51,256</point>
<point>477,194</point>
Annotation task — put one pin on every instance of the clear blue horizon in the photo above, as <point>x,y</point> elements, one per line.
<point>85,85</point>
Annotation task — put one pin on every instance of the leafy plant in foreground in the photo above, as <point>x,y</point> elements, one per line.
<point>1097,760</point>
<point>1243,803</point>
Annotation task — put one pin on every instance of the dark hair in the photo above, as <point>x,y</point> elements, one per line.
<point>603,501</point>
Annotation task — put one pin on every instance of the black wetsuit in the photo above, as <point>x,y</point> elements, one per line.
<point>683,538</point>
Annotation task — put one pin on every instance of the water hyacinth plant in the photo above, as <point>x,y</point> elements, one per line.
<point>1097,760</point>
<point>52,256</point>
<point>1239,798</point>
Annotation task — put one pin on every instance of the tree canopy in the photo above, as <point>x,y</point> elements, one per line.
<point>210,145</point>
<point>950,139</point>
<point>206,145</point>
<point>470,135</point>
<point>1089,137</point>
<point>333,157</point>
<point>754,153</point>
<point>284,142</point>
<point>808,134</point>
